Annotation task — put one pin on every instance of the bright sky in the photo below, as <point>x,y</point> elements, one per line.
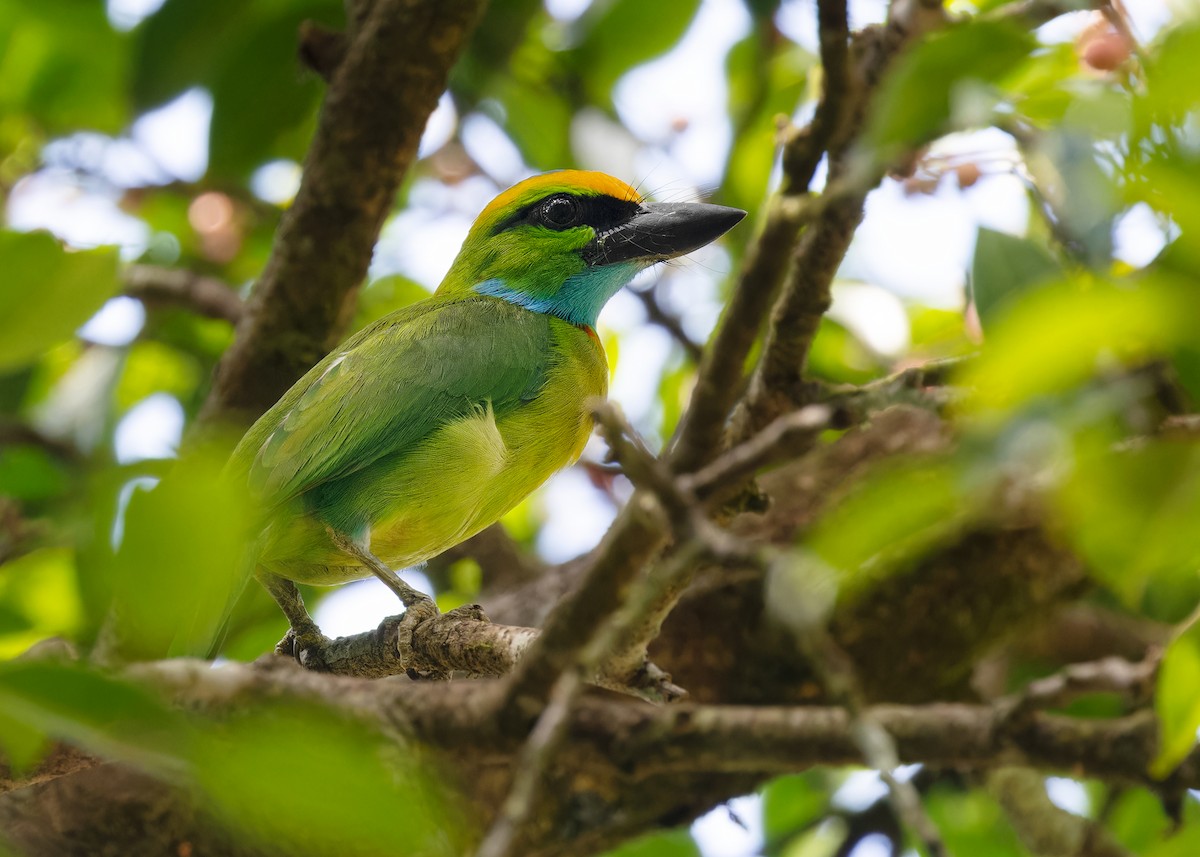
<point>909,248</point>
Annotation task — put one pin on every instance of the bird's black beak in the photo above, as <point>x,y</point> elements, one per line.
<point>660,231</point>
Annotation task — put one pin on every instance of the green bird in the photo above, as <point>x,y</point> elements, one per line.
<point>428,425</point>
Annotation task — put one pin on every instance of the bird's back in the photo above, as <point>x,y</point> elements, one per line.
<point>467,406</point>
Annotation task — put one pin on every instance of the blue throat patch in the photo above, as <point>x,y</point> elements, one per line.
<point>579,299</point>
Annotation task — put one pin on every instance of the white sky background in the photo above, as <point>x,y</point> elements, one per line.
<point>909,248</point>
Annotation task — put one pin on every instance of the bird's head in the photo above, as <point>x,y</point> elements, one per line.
<point>565,242</point>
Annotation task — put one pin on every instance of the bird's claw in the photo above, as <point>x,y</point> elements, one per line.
<point>306,645</point>
<point>400,629</point>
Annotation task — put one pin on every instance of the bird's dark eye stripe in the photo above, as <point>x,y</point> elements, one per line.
<point>599,212</point>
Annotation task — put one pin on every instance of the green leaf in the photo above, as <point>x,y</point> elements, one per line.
<point>300,778</point>
<point>48,292</point>
<point>1177,700</point>
<point>624,33</point>
<point>63,64</point>
<point>1058,336</point>
<point>31,473</point>
<point>1184,843</point>
<point>39,598</point>
<point>261,96</point>
<point>893,517</point>
<point>180,44</point>
<point>1063,163</point>
<point>538,119</point>
<point>1173,89</point>
<point>838,355</point>
<point>23,745</point>
<point>1004,266</point>
<point>767,77</point>
<point>971,822</point>
<point>1044,87</point>
<point>670,843</point>
<point>1131,513</point>
<point>922,93</point>
<point>791,804</point>
<point>152,367</point>
<point>1137,820</point>
<point>182,561</point>
<point>98,713</point>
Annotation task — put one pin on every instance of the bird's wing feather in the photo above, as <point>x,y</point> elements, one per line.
<point>392,385</point>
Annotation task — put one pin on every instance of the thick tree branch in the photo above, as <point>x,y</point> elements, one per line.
<point>393,72</point>
<point>632,742</point>
<point>718,382</point>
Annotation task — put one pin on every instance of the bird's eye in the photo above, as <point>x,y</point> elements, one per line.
<point>560,212</point>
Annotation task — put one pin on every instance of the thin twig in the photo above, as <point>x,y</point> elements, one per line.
<point>839,677</point>
<point>207,296</point>
<point>668,322</point>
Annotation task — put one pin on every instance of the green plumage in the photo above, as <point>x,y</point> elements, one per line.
<point>390,435</point>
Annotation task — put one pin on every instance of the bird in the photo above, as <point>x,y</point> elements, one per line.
<point>431,423</point>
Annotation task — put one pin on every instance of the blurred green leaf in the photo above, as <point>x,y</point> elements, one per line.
<point>538,120</point>
<point>31,473</point>
<point>13,620</point>
<point>1137,820</point>
<point>22,744</point>
<point>178,46</point>
<point>1183,842</point>
<point>1003,267</point>
<point>1047,84</point>
<point>971,822</point>
<point>260,92</point>
<point>63,64</point>
<point>181,562</point>
<point>838,355</point>
<point>245,54</point>
<point>621,34</point>
<point>1131,513</point>
<point>307,781</point>
<point>1058,336</point>
<point>791,804</point>
<point>153,367</point>
<point>670,843</point>
<point>767,78</point>
<point>96,712</point>
<point>1176,701</point>
<point>934,81</point>
<point>38,594</point>
<point>892,517</point>
<point>1065,169</point>
<point>938,333</point>
<point>1173,89</point>
<point>48,292</point>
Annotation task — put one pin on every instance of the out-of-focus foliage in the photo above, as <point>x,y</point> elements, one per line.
<point>251,768</point>
<point>103,537</point>
<point>48,293</point>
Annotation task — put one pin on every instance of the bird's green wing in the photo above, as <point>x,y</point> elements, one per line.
<point>391,385</point>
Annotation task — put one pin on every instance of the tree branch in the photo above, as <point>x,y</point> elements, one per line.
<point>207,296</point>
<point>393,72</point>
<point>633,742</point>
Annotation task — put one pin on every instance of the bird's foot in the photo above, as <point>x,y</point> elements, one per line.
<point>400,630</point>
<point>307,645</point>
